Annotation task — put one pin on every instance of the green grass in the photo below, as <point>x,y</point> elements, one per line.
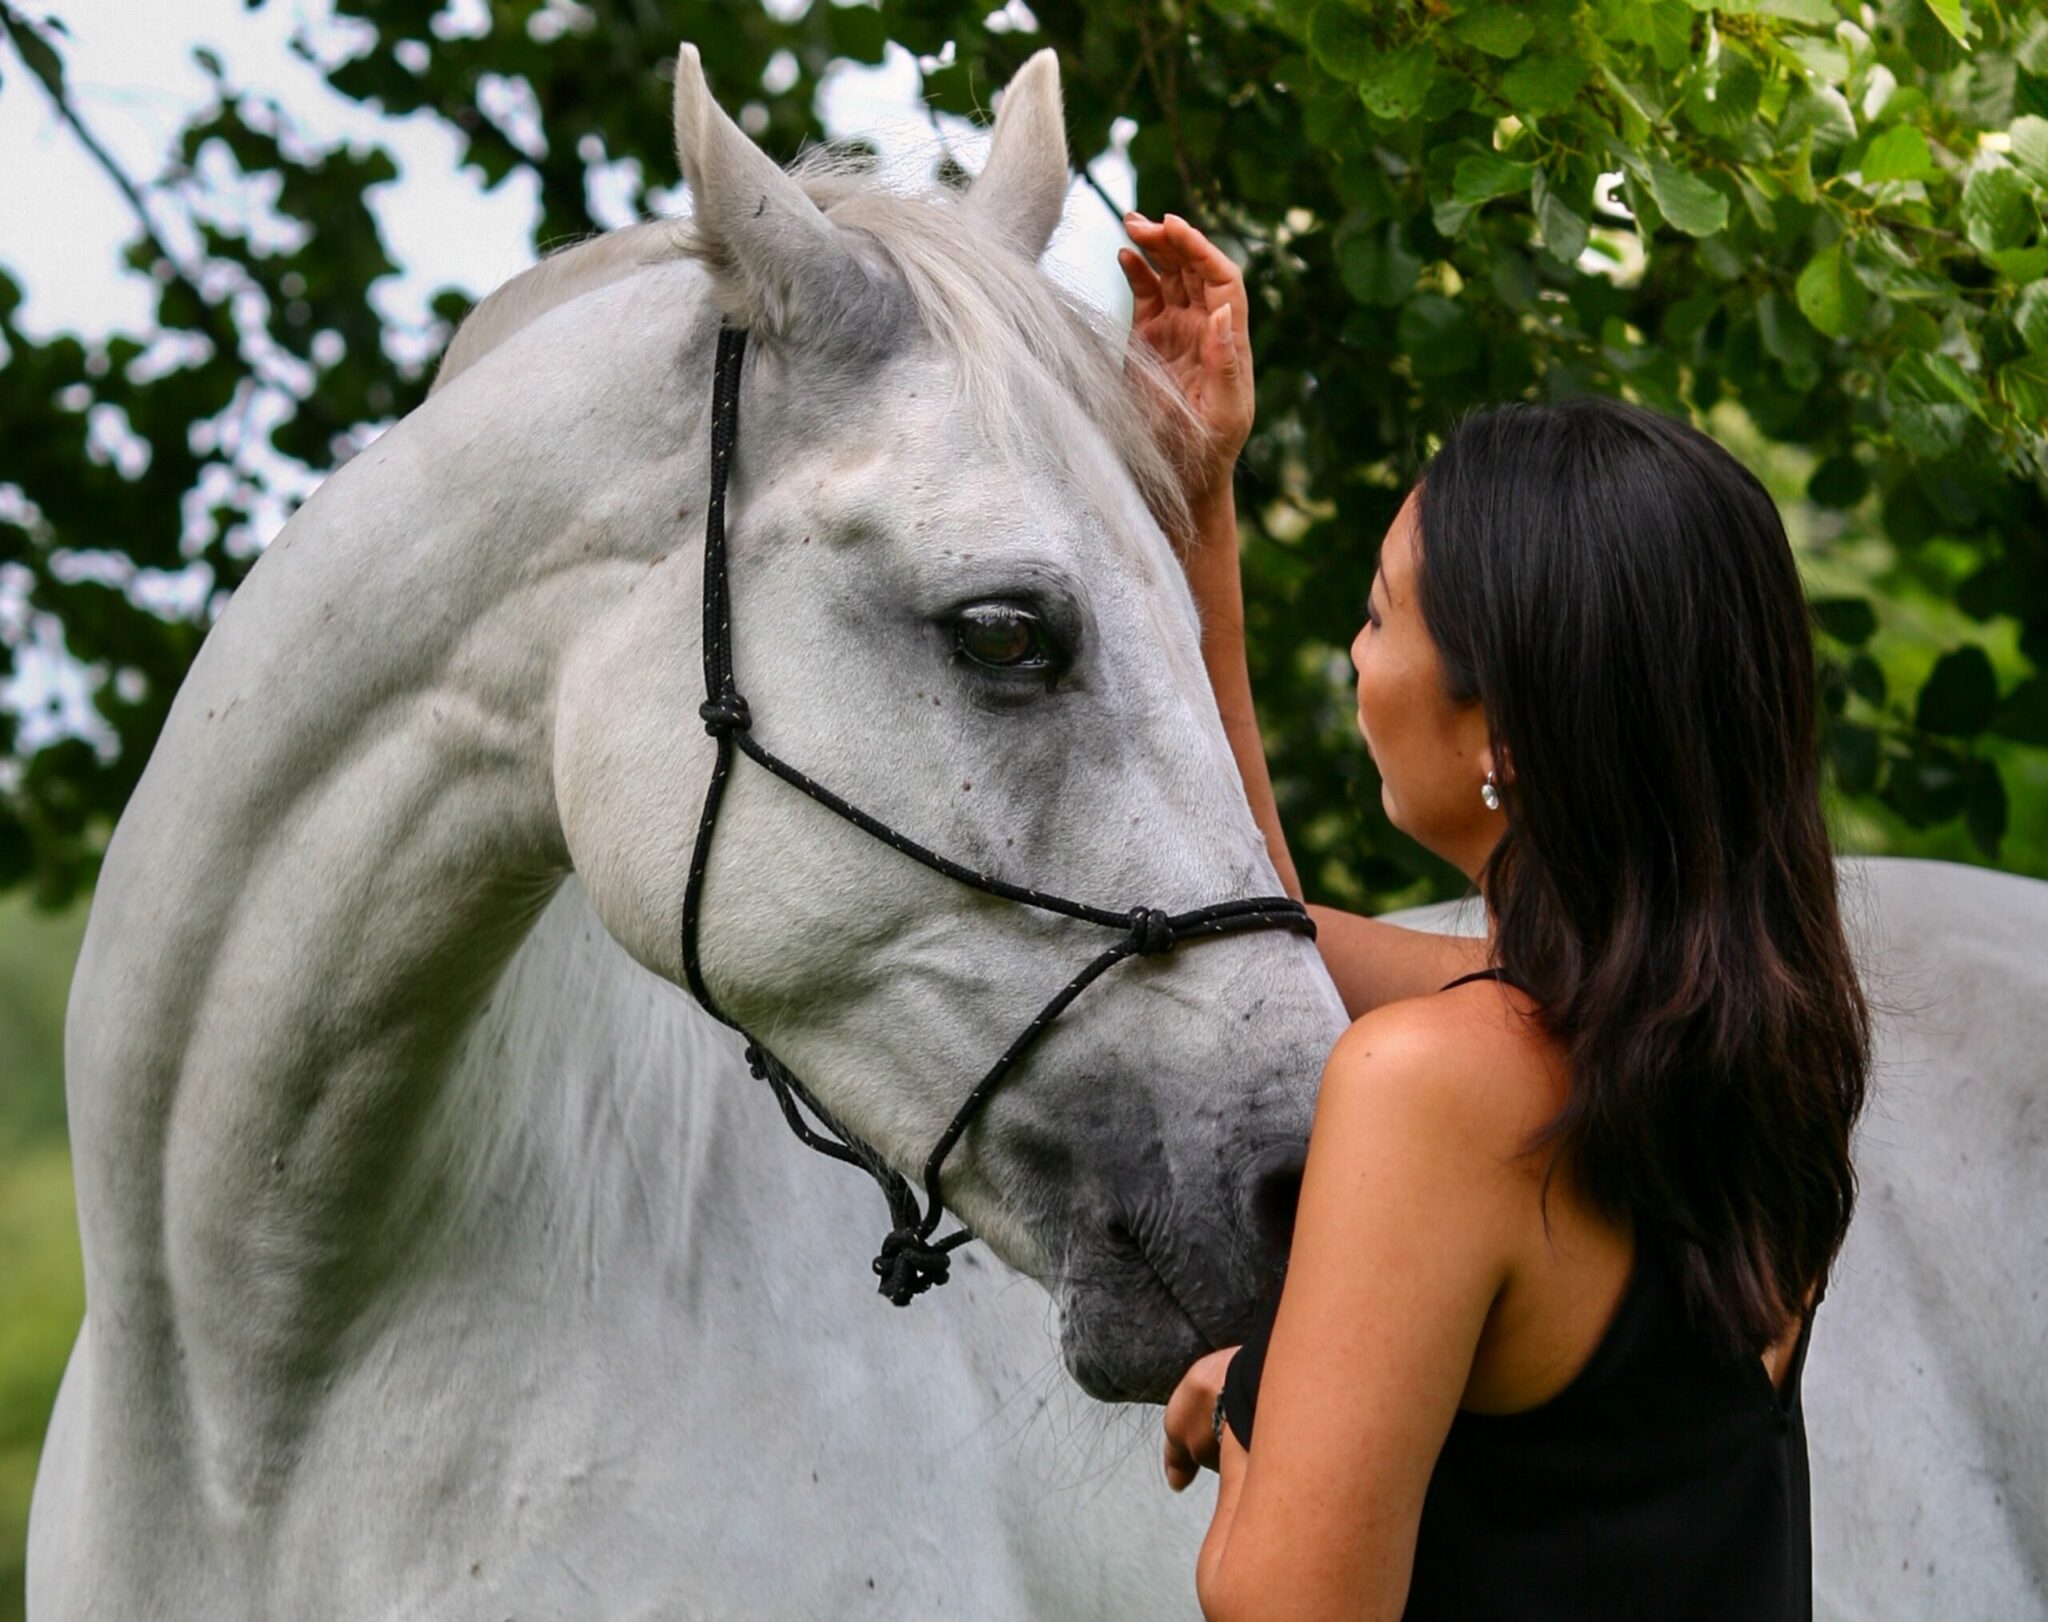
<point>42,1288</point>
<point>37,950</point>
<point>42,1297</point>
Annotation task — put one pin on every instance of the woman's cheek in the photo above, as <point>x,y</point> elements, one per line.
<point>1371,700</point>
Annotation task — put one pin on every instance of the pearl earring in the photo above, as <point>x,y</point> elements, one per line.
<point>1489,793</point>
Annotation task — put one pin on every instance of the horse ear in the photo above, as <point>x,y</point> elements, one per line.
<point>1022,190</point>
<point>780,266</point>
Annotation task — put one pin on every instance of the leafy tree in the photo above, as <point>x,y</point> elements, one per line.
<point>1825,239</point>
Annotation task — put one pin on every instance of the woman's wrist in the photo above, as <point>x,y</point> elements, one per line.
<point>1214,488</point>
<point>1210,560</point>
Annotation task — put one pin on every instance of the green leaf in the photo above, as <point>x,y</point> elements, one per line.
<point>1819,112</point>
<point>1376,268</point>
<point>2032,51</point>
<point>2021,265</point>
<point>1949,13</point>
<point>1686,316</point>
<point>1866,679</point>
<point>1824,59</point>
<point>1846,619</point>
<point>1438,335</point>
<point>1635,98</point>
<point>1959,696</point>
<point>2028,138</point>
<point>1829,296</point>
<point>1665,26</point>
<point>1789,339</point>
<point>1449,216</point>
<point>1855,754</point>
<point>1564,227</point>
<point>1930,432</point>
<point>2024,714</point>
<point>2030,317</point>
<point>1540,85</point>
<point>1840,481</point>
<point>1815,13</point>
<point>1486,175</point>
<point>1397,83</point>
<point>1341,40</point>
<point>1927,786</point>
<point>1498,30</point>
<point>1931,380</point>
<point>1797,174</point>
<point>1900,153</point>
<point>2024,383</point>
<point>1726,105</point>
<point>1984,813</point>
<point>1998,211</point>
<point>40,56</point>
<point>1688,202</point>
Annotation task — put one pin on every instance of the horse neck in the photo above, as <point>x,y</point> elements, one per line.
<point>344,835</point>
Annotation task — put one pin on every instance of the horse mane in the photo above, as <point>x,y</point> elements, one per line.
<point>565,274</point>
<point>1000,317</point>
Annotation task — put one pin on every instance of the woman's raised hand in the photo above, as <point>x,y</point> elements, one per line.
<point>1189,307</point>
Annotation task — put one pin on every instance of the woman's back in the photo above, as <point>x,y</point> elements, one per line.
<point>1664,1482</point>
<point>1607,1459</point>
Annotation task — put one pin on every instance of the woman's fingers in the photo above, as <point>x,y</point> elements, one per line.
<point>1180,1467</point>
<point>1162,251</point>
<point>1192,270</point>
<point>1198,256</point>
<point>1147,298</point>
<point>1174,251</point>
<point>1221,345</point>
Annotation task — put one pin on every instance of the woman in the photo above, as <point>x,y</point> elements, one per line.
<point>1573,1190</point>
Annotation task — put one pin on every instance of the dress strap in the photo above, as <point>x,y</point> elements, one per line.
<point>1501,975</point>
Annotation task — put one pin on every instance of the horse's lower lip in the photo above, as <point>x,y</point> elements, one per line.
<point>1173,1337</point>
<point>1158,1274</point>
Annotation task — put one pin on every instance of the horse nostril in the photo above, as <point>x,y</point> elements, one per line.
<point>1120,1234</point>
<point>1272,1191</point>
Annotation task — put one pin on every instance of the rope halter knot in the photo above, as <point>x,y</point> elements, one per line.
<point>726,713</point>
<point>1151,932</point>
<point>910,1264</point>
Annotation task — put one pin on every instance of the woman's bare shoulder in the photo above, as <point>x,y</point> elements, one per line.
<point>1474,1062</point>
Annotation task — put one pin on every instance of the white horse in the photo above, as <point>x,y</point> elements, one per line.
<point>443,1260</point>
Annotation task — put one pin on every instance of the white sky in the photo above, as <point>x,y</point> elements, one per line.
<point>133,79</point>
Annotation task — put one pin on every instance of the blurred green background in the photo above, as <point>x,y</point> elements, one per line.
<point>41,1291</point>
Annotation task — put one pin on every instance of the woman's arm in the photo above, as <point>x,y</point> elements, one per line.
<point>1192,311</point>
<point>1412,1208</point>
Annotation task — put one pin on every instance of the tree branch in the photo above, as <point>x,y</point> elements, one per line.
<point>220,327</point>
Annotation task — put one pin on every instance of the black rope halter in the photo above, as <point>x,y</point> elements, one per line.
<point>911,1260</point>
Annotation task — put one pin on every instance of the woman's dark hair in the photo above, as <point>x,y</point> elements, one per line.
<point>1617,592</point>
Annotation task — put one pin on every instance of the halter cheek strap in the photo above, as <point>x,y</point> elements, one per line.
<point>911,1260</point>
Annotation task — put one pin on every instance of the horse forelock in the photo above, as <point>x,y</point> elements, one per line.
<point>1016,337</point>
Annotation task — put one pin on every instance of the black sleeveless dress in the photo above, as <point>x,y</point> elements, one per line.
<point>1663,1482</point>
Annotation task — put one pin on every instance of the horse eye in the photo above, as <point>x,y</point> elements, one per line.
<point>1003,636</point>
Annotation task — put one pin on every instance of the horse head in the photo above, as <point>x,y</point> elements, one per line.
<point>953,604</point>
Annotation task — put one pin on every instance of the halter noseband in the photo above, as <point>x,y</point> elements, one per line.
<point>911,1261</point>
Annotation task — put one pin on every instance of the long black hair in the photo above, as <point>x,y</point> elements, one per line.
<point>1617,592</point>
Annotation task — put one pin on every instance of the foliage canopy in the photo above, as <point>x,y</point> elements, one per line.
<point>1815,223</point>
